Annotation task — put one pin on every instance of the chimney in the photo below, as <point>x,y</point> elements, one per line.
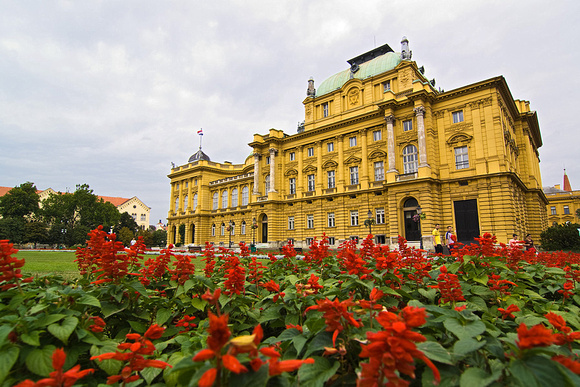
<point>557,186</point>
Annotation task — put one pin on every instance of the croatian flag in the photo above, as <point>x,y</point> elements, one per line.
<point>200,132</point>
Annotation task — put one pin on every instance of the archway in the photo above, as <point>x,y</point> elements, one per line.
<point>412,227</point>
<point>264,228</point>
<point>192,233</point>
<point>173,235</point>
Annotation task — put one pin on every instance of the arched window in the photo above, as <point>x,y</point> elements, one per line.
<point>213,229</point>
<point>223,229</point>
<point>245,195</point>
<point>412,202</point>
<point>215,201</point>
<point>267,184</point>
<point>225,199</point>
<point>194,201</point>
<point>185,200</point>
<point>233,230</point>
<point>235,197</point>
<point>410,161</point>
<point>243,231</point>
<point>176,204</point>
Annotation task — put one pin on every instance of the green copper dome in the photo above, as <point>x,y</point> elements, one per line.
<point>373,67</point>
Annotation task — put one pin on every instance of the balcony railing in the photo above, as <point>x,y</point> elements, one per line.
<point>406,176</point>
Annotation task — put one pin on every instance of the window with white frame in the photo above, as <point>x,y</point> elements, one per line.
<point>379,171</point>
<point>176,204</point>
<point>553,210</point>
<point>325,110</point>
<point>292,156</point>
<point>143,217</point>
<point>380,215</point>
<point>352,141</point>
<point>457,116</point>
<point>330,147</point>
<point>566,210</point>
<point>331,241</point>
<point>353,175</point>
<point>225,199</point>
<point>194,201</point>
<point>245,196</point>
<point>215,199</point>
<point>213,229</point>
<point>234,197</point>
<point>310,183</point>
<point>243,228</point>
<point>410,160</point>
<point>267,184</point>
<point>309,221</point>
<point>310,151</point>
<point>331,222</point>
<point>377,135</point>
<point>386,86</point>
<point>268,160</point>
<point>309,241</point>
<point>134,216</point>
<point>292,184</point>
<point>223,229</point>
<point>354,218</point>
<point>407,125</point>
<point>461,158</point>
<point>331,179</point>
<point>290,223</point>
<point>185,200</point>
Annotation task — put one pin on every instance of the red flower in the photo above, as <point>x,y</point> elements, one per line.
<point>572,365</point>
<point>272,286</point>
<point>567,336</point>
<point>59,378</point>
<point>336,315</point>
<point>537,336</point>
<point>276,367</point>
<point>98,324</point>
<point>507,313</point>
<point>292,326</point>
<point>208,378</point>
<point>449,286</point>
<point>219,333</point>
<point>186,323</point>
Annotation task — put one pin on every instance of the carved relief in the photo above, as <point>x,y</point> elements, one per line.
<point>308,111</point>
<point>352,160</point>
<point>291,172</point>
<point>331,164</point>
<point>309,169</point>
<point>459,138</point>
<point>405,79</point>
<point>353,97</point>
<point>378,154</point>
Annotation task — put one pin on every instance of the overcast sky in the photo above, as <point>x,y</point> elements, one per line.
<point>109,93</point>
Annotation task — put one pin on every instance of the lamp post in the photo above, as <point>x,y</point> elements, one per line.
<point>254,226</point>
<point>419,212</point>
<point>230,235</point>
<point>369,222</point>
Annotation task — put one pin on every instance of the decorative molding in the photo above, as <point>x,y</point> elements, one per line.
<point>378,154</point>
<point>352,160</point>
<point>291,172</point>
<point>330,164</point>
<point>459,138</point>
<point>309,168</point>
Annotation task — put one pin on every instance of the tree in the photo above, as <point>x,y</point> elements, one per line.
<point>159,238</point>
<point>20,201</point>
<point>12,229</point>
<point>35,232</point>
<point>181,234</point>
<point>125,235</point>
<point>561,237</point>
<point>147,237</point>
<point>126,220</point>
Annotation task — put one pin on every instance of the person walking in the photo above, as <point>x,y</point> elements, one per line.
<point>449,238</point>
<point>437,240</point>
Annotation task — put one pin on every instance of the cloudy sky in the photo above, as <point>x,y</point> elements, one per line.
<point>109,93</point>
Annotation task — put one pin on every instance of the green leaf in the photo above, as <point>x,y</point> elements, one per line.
<point>111,367</point>
<point>315,375</point>
<point>163,315</point>
<point>110,309</point>
<point>87,299</point>
<point>474,376</point>
<point>250,379</point>
<point>288,334</point>
<point>48,319</point>
<point>538,371</point>
<point>198,303</point>
<point>138,326</point>
<point>321,340</point>
<point>435,351</point>
<point>299,342</point>
<point>428,294</point>
<point>31,338</point>
<point>188,285</point>
<point>464,329</point>
<point>467,345</point>
<point>4,332</point>
<point>8,357</point>
<point>63,330</point>
<point>533,294</point>
<point>138,287</point>
<point>150,373</point>
<point>39,360</point>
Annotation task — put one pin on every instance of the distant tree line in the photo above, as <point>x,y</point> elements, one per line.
<point>66,219</point>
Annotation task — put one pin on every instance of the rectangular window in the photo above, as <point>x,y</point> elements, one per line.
<point>310,152</point>
<point>553,210</point>
<point>243,229</point>
<point>195,182</point>
<point>352,141</point>
<point>330,147</point>
<point>386,86</point>
<point>309,221</point>
<point>268,160</point>
<point>292,156</point>
<point>325,111</point>
<point>331,179</point>
<point>461,158</point>
<point>354,238</point>
<point>407,125</point>
<point>566,210</point>
<point>380,215</point>
<point>143,217</point>
<point>377,135</point>
<point>186,184</point>
<point>457,116</point>
<point>267,184</point>
<point>309,241</point>
<point>331,241</point>
<point>380,239</point>
<point>354,218</point>
<point>290,223</point>
<point>292,182</point>
<point>331,222</point>
<point>310,183</point>
<point>353,175</point>
<point>379,171</point>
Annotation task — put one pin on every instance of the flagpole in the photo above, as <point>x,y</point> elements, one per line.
<point>200,137</point>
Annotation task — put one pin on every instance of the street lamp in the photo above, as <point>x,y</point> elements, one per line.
<point>419,212</point>
<point>370,221</point>
<point>230,235</point>
<point>254,226</point>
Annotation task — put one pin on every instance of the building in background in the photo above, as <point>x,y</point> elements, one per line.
<point>379,143</point>
<point>563,204</point>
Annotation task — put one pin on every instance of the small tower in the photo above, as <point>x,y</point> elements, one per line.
<point>311,91</point>
<point>567,186</point>
<point>405,52</point>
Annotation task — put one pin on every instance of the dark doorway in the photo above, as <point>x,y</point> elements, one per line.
<point>466,220</point>
<point>174,235</point>
<point>264,228</point>
<point>192,233</point>
<point>412,232</point>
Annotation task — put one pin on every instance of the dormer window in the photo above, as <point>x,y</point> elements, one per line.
<point>386,86</point>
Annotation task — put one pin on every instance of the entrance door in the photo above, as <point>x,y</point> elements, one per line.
<point>192,233</point>
<point>412,232</point>
<point>466,220</point>
<point>265,228</point>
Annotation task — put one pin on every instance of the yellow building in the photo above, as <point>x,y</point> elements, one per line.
<point>562,203</point>
<point>378,140</point>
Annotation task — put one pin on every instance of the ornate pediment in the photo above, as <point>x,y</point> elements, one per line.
<point>377,154</point>
<point>352,160</point>
<point>291,172</point>
<point>458,138</point>
<point>309,169</point>
<point>330,164</point>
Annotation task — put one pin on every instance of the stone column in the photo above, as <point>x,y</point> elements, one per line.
<point>391,143</point>
<point>256,173</point>
<point>420,114</point>
<point>299,182</point>
<point>272,170</point>
<point>319,177</point>
<point>364,177</point>
<point>340,168</point>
